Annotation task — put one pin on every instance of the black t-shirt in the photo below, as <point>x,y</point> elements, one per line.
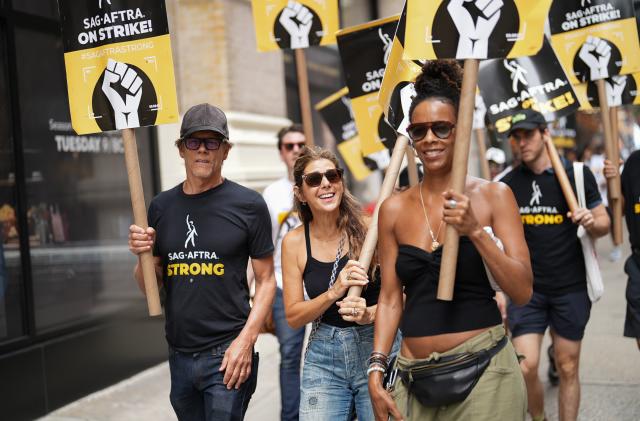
<point>205,241</point>
<point>631,191</point>
<point>556,253</point>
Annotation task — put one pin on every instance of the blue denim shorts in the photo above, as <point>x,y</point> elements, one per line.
<point>334,375</point>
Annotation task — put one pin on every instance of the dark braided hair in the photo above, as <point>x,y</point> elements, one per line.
<point>439,79</point>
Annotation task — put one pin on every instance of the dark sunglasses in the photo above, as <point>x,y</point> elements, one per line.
<point>289,146</point>
<point>314,179</point>
<point>211,144</point>
<point>441,129</point>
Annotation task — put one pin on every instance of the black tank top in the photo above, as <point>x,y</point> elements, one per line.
<point>317,276</point>
<point>473,306</point>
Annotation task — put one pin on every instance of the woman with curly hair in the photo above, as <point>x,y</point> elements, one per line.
<point>455,361</point>
<point>318,257</point>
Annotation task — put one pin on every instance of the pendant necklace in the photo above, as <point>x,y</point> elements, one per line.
<point>434,239</point>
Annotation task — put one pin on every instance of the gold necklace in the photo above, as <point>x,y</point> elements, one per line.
<point>434,240</point>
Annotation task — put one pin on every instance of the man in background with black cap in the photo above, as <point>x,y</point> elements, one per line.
<point>560,300</point>
<point>202,234</point>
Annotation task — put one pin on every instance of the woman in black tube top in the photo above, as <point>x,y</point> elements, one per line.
<point>447,338</point>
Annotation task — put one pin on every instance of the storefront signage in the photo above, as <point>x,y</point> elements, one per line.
<point>477,29</point>
<point>595,39</point>
<point>292,24</point>
<point>538,82</point>
<point>365,51</point>
<point>119,64</point>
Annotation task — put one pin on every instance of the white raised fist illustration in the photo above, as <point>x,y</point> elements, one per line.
<point>100,3</point>
<point>596,53</point>
<point>297,20</point>
<point>125,109</point>
<point>474,36</point>
<point>615,87</point>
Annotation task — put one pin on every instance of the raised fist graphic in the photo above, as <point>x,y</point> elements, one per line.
<point>297,20</point>
<point>125,96</point>
<point>474,36</point>
<point>596,53</point>
<point>615,87</point>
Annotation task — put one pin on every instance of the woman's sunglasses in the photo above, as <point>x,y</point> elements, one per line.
<point>211,144</point>
<point>441,129</point>
<point>314,179</point>
<point>289,146</point>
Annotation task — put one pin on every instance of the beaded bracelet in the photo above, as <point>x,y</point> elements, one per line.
<point>375,367</point>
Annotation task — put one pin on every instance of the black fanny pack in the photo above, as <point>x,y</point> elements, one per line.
<point>448,380</point>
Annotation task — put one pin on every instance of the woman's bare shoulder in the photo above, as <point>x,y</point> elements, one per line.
<point>294,237</point>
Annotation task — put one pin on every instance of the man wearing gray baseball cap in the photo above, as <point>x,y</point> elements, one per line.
<point>202,233</point>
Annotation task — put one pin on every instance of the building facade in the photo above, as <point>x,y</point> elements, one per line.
<point>72,320</point>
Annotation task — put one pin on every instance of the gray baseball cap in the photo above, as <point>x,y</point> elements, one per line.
<point>204,117</point>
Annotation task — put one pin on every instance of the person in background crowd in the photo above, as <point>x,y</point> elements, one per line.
<point>596,165</point>
<point>441,336</point>
<point>403,179</point>
<point>560,300</point>
<point>496,158</point>
<point>631,206</point>
<point>319,258</point>
<point>210,327</point>
<point>279,199</point>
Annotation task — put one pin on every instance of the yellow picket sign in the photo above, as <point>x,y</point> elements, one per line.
<point>478,29</point>
<point>595,40</point>
<point>351,152</point>
<point>88,73</point>
<point>621,90</point>
<point>364,51</point>
<point>395,93</point>
<point>119,65</point>
<point>336,110</point>
<point>292,24</point>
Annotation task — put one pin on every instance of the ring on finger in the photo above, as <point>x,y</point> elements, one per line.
<point>354,311</point>
<point>452,203</point>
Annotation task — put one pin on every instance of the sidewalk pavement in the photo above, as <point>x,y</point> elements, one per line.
<point>609,371</point>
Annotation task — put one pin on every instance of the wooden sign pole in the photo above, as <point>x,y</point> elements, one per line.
<point>482,152</point>
<point>305,97</point>
<point>412,166</point>
<point>615,204</point>
<point>458,174</point>
<point>140,219</point>
<point>371,240</point>
<point>561,175</point>
<point>611,146</point>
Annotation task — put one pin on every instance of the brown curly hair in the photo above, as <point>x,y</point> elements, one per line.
<point>350,219</point>
<point>439,79</point>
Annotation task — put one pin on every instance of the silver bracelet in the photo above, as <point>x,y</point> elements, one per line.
<point>375,367</point>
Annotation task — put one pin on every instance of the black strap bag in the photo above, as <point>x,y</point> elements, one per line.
<point>450,379</point>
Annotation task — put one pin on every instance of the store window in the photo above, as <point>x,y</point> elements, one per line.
<point>46,8</point>
<point>11,322</point>
<point>78,201</point>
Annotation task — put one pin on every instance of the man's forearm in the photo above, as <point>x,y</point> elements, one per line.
<point>262,302</point>
<point>600,227</point>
